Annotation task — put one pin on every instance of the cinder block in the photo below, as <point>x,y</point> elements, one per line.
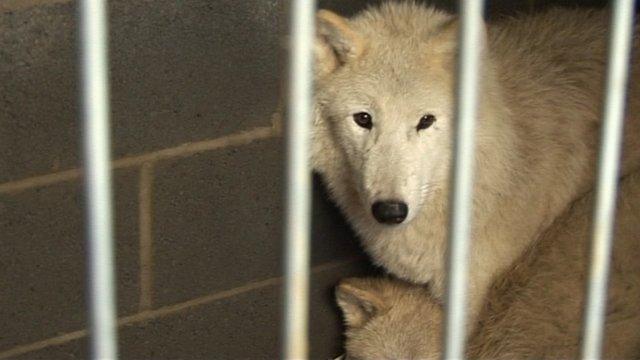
<point>245,326</point>
<point>218,222</point>
<point>180,72</point>
<point>38,126</point>
<point>43,265</point>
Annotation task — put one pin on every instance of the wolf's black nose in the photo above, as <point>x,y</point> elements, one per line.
<point>389,212</point>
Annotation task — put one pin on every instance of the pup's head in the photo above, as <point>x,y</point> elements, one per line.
<point>384,104</point>
<point>389,319</point>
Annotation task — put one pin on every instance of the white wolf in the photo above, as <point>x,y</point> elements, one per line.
<point>533,312</point>
<point>383,131</point>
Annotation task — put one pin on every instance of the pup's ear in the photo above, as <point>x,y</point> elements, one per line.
<point>448,35</point>
<point>446,39</point>
<point>360,300</point>
<point>336,43</point>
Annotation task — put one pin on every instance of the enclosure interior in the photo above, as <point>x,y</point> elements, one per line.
<point>198,157</point>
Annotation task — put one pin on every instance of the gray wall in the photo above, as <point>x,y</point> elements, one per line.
<point>198,182</point>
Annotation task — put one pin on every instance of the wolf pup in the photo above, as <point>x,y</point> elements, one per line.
<point>533,312</point>
<point>383,127</point>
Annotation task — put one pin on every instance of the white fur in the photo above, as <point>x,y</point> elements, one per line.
<point>534,311</point>
<point>537,131</point>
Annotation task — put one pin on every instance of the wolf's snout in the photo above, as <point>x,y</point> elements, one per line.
<point>389,212</point>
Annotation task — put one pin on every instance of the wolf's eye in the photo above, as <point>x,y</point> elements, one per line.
<point>425,122</point>
<point>363,119</point>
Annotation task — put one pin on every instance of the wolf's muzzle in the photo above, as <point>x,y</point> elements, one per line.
<point>389,212</point>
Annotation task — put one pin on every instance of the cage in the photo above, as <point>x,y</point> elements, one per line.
<point>198,171</point>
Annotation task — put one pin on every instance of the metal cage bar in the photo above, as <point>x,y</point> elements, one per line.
<point>94,86</point>
<point>471,40</point>
<point>298,198</point>
<point>96,144</point>
<point>608,168</point>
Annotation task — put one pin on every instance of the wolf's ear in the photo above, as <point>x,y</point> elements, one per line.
<point>336,43</point>
<point>360,300</point>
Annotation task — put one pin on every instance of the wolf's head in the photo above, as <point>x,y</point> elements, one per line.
<point>389,319</point>
<point>384,103</point>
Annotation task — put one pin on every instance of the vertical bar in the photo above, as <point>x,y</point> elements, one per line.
<point>470,35</point>
<point>298,203</point>
<point>94,88</point>
<point>608,168</point>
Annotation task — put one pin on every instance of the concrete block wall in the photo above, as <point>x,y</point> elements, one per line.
<point>198,164</point>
